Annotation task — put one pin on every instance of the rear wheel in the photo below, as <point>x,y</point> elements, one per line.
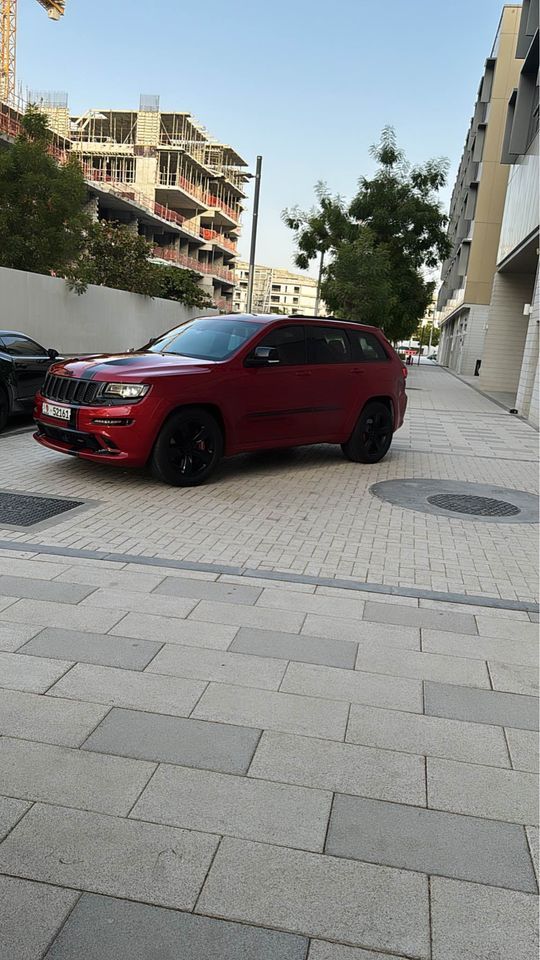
<point>372,435</point>
<point>4,408</point>
<point>188,448</point>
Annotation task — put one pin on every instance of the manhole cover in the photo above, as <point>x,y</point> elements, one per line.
<point>460,500</point>
<point>17,509</point>
<point>479,506</point>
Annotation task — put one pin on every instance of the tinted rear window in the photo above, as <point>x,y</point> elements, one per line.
<point>366,346</point>
<point>327,345</point>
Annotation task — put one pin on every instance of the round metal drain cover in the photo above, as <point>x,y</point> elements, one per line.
<point>460,500</point>
<point>477,506</point>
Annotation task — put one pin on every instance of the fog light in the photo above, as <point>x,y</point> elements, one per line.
<point>113,421</point>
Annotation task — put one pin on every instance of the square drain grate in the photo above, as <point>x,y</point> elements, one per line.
<point>21,510</point>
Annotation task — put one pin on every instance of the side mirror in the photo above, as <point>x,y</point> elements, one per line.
<point>263,357</point>
<point>53,354</point>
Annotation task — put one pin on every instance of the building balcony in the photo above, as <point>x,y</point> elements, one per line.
<point>190,263</point>
<point>213,236</point>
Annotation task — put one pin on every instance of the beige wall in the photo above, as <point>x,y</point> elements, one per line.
<point>100,321</point>
<point>507,332</point>
<point>527,401</point>
<point>493,174</point>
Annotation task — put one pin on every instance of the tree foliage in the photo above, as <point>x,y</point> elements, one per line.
<point>182,285</point>
<point>381,243</point>
<point>42,219</point>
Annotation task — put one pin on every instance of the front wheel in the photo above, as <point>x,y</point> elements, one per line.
<point>188,448</point>
<point>372,435</point>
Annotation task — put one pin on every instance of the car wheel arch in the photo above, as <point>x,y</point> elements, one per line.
<point>211,408</point>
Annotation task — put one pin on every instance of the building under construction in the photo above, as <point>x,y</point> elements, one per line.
<point>161,174</point>
<point>276,291</point>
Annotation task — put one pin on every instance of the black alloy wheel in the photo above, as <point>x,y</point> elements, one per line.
<point>188,448</point>
<point>372,435</point>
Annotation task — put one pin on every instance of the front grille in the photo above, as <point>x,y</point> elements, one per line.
<point>70,390</point>
<point>76,439</point>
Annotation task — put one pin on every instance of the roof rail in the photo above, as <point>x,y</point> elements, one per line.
<point>307,316</point>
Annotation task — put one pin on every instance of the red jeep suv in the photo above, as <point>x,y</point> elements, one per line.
<point>223,385</point>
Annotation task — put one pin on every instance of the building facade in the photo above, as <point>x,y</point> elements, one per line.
<point>276,291</point>
<point>159,173</point>
<point>510,357</point>
<point>476,209</point>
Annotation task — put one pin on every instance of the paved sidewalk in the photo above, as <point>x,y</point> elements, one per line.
<point>309,511</point>
<point>202,767</point>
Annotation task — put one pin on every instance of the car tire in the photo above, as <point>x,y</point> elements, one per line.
<point>4,408</point>
<point>188,448</point>
<point>371,438</point>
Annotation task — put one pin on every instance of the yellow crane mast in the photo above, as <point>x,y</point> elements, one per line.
<point>8,37</point>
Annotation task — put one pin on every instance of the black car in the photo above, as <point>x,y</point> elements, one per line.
<point>23,366</point>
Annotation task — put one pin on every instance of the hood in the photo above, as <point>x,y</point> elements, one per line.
<point>128,367</point>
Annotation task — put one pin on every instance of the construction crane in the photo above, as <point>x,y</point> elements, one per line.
<point>8,36</point>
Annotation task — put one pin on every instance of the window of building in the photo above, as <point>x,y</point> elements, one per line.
<point>296,289</point>
<point>243,284</point>
<point>276,286</point>
<point>295,299</point>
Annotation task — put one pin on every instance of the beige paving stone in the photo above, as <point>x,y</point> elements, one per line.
<point>514,678</point>
<point>218,665</point>
<point>150,603</point>
<point>31,914</point>
<point>387,635</point>
<point>33,674</point>
<point>523,746</point>
<point>144,626</point>
<point>13,635</point>
<point>35,717</point>
<point>481,648</point>
<point>353,686</point>
<point>67,615</point>
<point>424,666</point>
<point>244,616</point>
<point>347,608</point>
<point>491,626</point>
<point>477,791</point>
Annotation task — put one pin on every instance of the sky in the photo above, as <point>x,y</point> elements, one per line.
<point>308,84</point>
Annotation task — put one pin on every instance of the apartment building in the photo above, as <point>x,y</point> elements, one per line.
<point>476,209</point>
<point>161,174</point>
<point>276,291</point>
<point>510,356</point>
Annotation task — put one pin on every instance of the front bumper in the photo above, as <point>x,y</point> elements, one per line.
<point>128,440</point>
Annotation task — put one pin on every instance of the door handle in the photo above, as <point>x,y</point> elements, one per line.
<point>357,370</point>
<point>303,373</point>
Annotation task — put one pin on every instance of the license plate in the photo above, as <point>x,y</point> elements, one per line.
<point>59,413</point>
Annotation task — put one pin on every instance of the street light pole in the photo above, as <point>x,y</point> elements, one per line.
<point>254,225</point>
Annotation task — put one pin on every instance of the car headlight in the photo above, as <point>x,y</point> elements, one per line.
<point>126,391</point>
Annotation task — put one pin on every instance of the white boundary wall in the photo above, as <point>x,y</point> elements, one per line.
<point>99,321</point>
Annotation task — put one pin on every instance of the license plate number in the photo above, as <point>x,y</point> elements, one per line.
<point>59,413</point>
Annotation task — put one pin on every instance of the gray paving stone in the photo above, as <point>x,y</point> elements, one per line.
<point>30,916</point>
<point>386,635</point>
<point>307,716</point>
<point>244,616</point>
<point>102,928</point>
<point>88,781</point>
<point>11,812</point>
<point>534,617</point>
<point>13,635</point>
<point>474,609</point>
<point>475,922</point>
<point>423,666</point>
<point>34,674</point>
<point>109,855</point>
<point>68,615</point>
<point>6,602</point>
<point>514,678</point>
<point>149,603</point>
<point>446,844</point>
<point>482,791</point>
<point>435,736</point>
<point>36,568</point>
<point>261,581</point>
<point>420,617</point>
<point>345,608</point>
<point>533,837</point>
<point>194,743</point>
<point>35,589</point>
<point>143,626</point>
<point>100,575</point>
<point>203,590</point>
<point>128,688</point>
<point>218,665</point>
<point>79,646</point>
<point>343,767</point>
<point>480,648</point>
<point>353,686</point>
<point>32,716</point>
<point>480,706</point>
<point>523,746</point>
<point>320,896</point>
<point>236,806</point>
<point>492,626</point>
<point>291,646</point>
<point>322,950</point>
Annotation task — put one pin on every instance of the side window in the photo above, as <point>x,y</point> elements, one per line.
<point>366,346</point>
<point>328,345</point>
<point>290,342</point>
<point>22,346</point>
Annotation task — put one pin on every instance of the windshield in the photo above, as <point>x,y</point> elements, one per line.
<point>208,338</point>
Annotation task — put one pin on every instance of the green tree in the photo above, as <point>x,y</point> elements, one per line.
<point>381,243</point>
<point>42,219</point>
<point>182,285</point>
<point>115,257</point>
